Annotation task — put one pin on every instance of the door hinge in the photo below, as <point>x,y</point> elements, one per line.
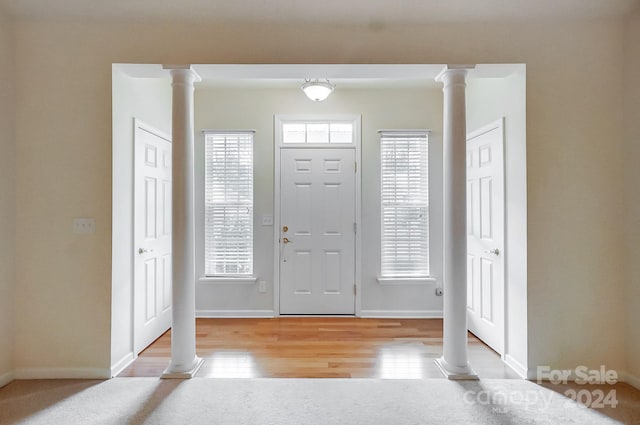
<point>355,289</point>
<point>355,167</point>
<point>355,227</point>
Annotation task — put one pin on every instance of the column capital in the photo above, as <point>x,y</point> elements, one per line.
<point>182,73</point>
<point>451,71</point>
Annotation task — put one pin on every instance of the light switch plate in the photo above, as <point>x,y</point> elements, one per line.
<point>84,225</point>
<point>262,286</point>
<point>267,220</point>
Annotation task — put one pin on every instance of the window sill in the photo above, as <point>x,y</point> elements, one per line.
<point>406,280</point>
<point>228,280</point>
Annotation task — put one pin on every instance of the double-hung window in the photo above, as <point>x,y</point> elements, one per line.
<point>404,204</point>
<point>228,203</point>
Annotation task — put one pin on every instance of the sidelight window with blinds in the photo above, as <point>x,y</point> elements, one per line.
<point>228,203</point>
<point>404,203</point>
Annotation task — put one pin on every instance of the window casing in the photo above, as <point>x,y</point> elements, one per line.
<point>404,203</point>
<point>228,216</point>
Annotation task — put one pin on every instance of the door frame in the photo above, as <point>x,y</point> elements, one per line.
<point>499,125</point>
<point>278,120</point>
<point>143,126</point>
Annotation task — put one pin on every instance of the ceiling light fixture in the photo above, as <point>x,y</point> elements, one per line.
<point>317,90</point>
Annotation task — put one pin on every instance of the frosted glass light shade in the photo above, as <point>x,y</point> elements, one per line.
<point>317,90</point>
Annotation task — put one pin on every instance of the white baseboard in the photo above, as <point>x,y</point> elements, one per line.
<point>389,314</point>
<point>516,366</point>
<point>237,314</point>
<point>401,314</point>
<point>62,373</point>
<point>6,378</point>
<point>630,379</point>
<point>121,364</point>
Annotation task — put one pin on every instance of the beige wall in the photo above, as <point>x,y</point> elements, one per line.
<point>7,199</point>
<point>242,108</point>
<point>632,230</point>
<point>148,100</point>
<point>574,161</point>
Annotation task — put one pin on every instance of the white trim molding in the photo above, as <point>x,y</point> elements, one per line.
<point>227,280</point>
<point>407,280</point>
<point>6,378</point>
<point>516,366</point>
<point>234,314</point>
<point>122,364</point>
<point>236,131</point>
<point>401,314</point>
<point>630,379</point>
<point>63,373</point>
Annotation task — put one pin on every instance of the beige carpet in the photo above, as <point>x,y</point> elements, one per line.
<point>294,401</point>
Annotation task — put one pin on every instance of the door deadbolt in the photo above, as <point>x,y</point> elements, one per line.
<point>285,229</point>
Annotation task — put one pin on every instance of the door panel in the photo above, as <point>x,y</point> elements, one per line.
<point>152,236</point>
<point>166,281</point>
<point>317,264</point>
<point>485,236</point>
<point>150,283</point>
<point>486,289</point>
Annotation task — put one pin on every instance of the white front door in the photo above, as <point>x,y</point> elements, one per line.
<point>317,242</point>
<point>485,235</point>
<point>152,235</point>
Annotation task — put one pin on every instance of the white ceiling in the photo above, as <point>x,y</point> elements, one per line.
<point>373,12</point>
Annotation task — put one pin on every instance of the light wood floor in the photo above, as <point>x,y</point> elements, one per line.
<point>306,347</point>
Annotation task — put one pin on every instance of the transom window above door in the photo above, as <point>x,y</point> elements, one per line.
<point>317,133</point>
<point>305,131</point>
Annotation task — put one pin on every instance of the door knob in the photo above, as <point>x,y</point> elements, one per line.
<point>495,252</point>
<point>286,240</point>
<point>142,251</point>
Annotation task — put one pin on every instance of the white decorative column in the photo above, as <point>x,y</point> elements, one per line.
<point>453,362</point>
<point>184,362</point>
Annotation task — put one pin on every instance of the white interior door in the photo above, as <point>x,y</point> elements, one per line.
<point>152,235</point>
<point>317,243</point>
<point>485,238</point>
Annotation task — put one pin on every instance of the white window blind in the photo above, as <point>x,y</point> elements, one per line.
<point>405,203</point>
<point>228,203</point>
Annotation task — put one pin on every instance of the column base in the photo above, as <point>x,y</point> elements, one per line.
<point>456,373</point>
<point>172,373</point>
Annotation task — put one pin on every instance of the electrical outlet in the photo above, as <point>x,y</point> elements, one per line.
<point>262,286</point>
<point>84,225</point>
<point>438,292</point>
